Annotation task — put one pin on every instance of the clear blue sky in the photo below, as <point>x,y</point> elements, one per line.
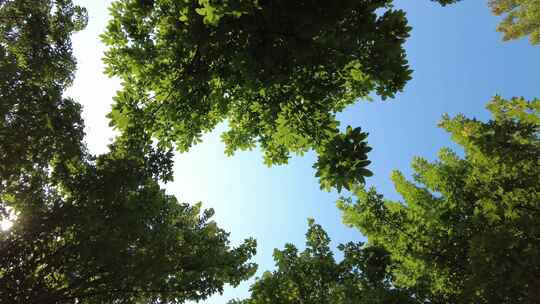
<point>459,63</point>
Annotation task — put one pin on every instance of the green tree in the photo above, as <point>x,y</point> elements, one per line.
<point>277,71</point>
<point>89,229</point>
<point>467,230</point>
<point>521,18</point>
<point>107,233</point>
<point>314,277</point>
<point>37,124</point>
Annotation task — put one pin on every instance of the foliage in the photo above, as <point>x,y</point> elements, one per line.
<point>521,18</point>
<point>344,160</point>
<point>37,124</point>
<point>277,71</point>
<point>100,229</point>
<point>90,229</point>
<point>446,2</point>
<point>467,231</point>
<point>109,234</point>
<point>314,277</point>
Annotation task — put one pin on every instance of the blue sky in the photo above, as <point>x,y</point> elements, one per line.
<point>459,63</point>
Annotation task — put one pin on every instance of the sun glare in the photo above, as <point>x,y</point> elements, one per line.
<point>5,224</point>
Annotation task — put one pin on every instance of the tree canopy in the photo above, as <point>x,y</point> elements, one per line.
<point>100,228</point>
<point>521,18</point>
<point>90,229</point>
<point>314,277</point>
<point>276,71</point>
<point>37,124</point>
<point>467,230</point>
<point>96,238</point>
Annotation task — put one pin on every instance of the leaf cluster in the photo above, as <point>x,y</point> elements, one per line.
<point>343,161</point>
<point>521,18</point>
